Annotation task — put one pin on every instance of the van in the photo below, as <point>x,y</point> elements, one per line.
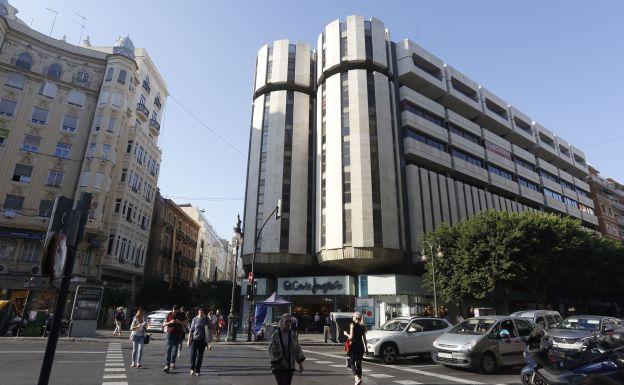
<point>550,318</point>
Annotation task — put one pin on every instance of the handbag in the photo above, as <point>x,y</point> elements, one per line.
<point>347,346</point>
<point>146,339</point>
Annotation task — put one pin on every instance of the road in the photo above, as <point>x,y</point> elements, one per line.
<point>107,362</point>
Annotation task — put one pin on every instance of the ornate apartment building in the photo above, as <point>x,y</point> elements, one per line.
<point>608,196</point>
<point>76,119</point>
<point>370,143</point>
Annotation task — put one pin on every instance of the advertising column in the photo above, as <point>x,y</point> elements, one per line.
<point>85,311</point>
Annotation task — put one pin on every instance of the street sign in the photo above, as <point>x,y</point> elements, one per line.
<point>60,255</point>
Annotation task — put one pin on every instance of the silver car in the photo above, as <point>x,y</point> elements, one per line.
<point>550,318</point>
<point>573,332</point>
<point>156,319</point>
<point>483,343</point>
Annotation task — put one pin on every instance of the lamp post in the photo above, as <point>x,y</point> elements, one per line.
<point>440,254</point>
<point>238,238</point>
<point>278,212</point>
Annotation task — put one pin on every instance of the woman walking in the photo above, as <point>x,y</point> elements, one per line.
<point>137,335</point>
<point>285,351</point>
<point>357,338</point>
<point>198,339</point>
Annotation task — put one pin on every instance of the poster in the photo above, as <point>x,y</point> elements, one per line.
<point>87,303</point>
<point>366,306</point>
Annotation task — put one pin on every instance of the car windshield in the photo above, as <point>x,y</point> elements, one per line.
<point>473,326</point>
<point>394,325</point>
<point>157,314</point>
<point>575,323</point>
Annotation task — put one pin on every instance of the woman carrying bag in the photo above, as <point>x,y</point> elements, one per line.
<point>199,336</point>
<point>137,336</point>
<point>356,346</point>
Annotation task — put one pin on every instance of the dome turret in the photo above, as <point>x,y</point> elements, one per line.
<point>124,46</point>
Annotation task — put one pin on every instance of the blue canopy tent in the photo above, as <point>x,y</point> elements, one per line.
<point>262,307</point>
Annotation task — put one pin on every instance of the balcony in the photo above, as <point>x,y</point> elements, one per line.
<point>528,174</point>
<point>576,213</point>
<point>555,204</point>
<point>157,103</point>
<point>580,169</point>
<point>426,155</point>
<point>531,195</point>
<point>146,86</point>
<point>589,218</point>
<point>153,123</point>
<point>581,184</point>
<point>545,140</point>
<point>420,124</point>
<point>522,129</point>
<point>463,94</point>
<point>466,145</point>
<point>495,113</point>
<point>585,201</point>
<point>469,170</point>
<point>504,184</point>
<point>420,70</point>
<point>142,112</point>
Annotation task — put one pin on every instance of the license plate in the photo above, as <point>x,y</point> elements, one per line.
<point>445,355</point>
<point>564,346</point>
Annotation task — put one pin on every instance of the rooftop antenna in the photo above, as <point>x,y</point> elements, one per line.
<point>53,21</point>
<point>82,26</point>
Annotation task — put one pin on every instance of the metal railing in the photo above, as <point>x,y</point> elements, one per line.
<point>141,108</point>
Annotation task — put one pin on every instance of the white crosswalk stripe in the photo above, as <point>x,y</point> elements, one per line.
<point>380,375</point>
<point>114,370</point>
<point>114,375</point>
<point>407,382</point>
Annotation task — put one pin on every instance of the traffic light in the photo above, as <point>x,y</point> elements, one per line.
<point>252,290</point>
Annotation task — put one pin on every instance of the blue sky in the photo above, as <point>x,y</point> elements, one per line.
<point>560,62</point>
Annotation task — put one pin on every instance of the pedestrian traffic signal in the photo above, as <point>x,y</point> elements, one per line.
<point>252,290</point>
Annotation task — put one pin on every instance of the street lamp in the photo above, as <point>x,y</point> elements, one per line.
<point>238,239</point>
<point>439,254</point>
<point>278,213</point>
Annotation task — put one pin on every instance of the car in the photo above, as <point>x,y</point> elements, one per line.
<point>550,318</point>
<point>156,319</point>
<point>573,332</point>
<point>483,343</point>
<point>404,336</point>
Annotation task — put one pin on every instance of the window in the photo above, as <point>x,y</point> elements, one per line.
<point>425,139</point>
<point>24,61</point>
<point>567,185</point>
<point>344,48</point>
<point>91,150</point>
<point>7,107</point>
<point>582,192</point>
<point>39,115</point>
<point>495,148</point>
<point>464,134</point>
<point>368,40</point>
<point>69,123</point>
<point>15,81</point>
<point>48,90</point>
<point>77,98</point>
<point>122,77</point>
<point>111,241</point>
<point>117,205</point>
<point>269,71</point>
<point>97,123</point>
<point>506,325</point>
<point>129,148</point>
<point>406,106</point>
<point>528,184</point>
<point>62,150</point>
<point>82,78</point>
<point>45,208</point>
<point>31,252</point>
<point>466,157</point>
<point>55,71</point>
<point>103,97</point>
<point>116,99</point>
<point>523,163</point>
<point>84,179</point>
<point>499,171</point>
<point>22,173</point>
<point>13,203</point>
<point>106,151</point>
<point>99,180</point>
<point>93,210</point>
<point>552,194</point>
<point>524,328</point>
<point>109,74</point>
<point>4,134</point>
<point>586,209</point>
<point>124,172</point>
<point>55,179</point>
<point>549,176</point>
<point>31,143</point>
<point>111,124</point>
<point>570,202</point>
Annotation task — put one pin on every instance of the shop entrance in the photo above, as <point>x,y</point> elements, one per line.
<point>305,309</point>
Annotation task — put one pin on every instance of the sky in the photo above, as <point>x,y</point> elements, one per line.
<point>559,62</point>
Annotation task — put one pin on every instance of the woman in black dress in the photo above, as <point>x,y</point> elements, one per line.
<point>357,336</point>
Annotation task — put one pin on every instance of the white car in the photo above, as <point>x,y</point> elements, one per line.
<point>156,319</point>
<point>405,336</point>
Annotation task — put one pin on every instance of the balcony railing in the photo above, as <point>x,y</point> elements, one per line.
<point>154,123</point>
<point>146,87</point>
<point>157,103</point>
<point>141,109</point>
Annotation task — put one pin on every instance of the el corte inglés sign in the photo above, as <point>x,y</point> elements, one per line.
<point>339,285</point>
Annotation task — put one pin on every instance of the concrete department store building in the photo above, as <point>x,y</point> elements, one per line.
<point>76,119</point>
<point>370,143</point>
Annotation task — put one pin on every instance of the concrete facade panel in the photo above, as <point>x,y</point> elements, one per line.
<point>475,200</point>
<point>303,59</point>
<point>444,199</point>
<point>332,45</point>
<point>414,204</point>
<point>435,199</point>
<point>450,188</point>
<point>253,173</point>
<point>279,73</point>
<point>426,199</point>
<point>333,172</point>
<point>298,225</point>
<point>261,67</point>
<point>355,38</point>
<point>380,53</point>
<point>461,200</point>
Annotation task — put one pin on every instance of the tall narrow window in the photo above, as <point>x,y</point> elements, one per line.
<point>269,65</point>
<point>70,123</point>
<point>292,53</point>
<point>344,51</point>
<point>346,157</point>
<point>323,163</point>
<point>109,74</point>
<point>54,71</point>
<point>54,179</point>
<point>368,40</point>
<point>106,151</point>
<point>24,61</point>
<point>122,77</point>
<point>374,153</point>
<point>91,150</point>
<point>286,181</point>
<point>22,173</point>
<point>7,107</point>
<point>264,143</point>
<point>111,124</point>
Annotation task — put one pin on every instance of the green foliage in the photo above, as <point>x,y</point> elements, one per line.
<point>543,254</point>
<point>156,295</point>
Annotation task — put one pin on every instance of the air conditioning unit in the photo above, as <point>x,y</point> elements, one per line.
<point>4,269</point>
<point>9,213</point>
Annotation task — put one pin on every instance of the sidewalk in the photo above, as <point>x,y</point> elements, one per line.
<point>106,335</point>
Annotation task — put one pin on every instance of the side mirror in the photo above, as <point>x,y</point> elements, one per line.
<point>608,329</point>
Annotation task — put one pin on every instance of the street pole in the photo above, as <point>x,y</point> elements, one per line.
<point>74,230</point>
<point>250,318</point>
<point>238,234</point>
<point>435,296</point>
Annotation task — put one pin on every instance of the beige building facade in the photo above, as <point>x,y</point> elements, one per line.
<point>76,119</point>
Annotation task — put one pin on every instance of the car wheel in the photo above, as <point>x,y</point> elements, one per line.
<point>526,379</point>
<point>389,354</point>
<point>488,363</point>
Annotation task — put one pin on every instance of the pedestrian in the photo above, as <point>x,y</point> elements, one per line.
<point>198,340</point>
<point>220,324</point>
<point>137,336</point>
<point>285,351</point>
<point>357,346</point>
<point>174,324</point>
<point>317,322</point>
<point>327,327</point>
<point>184,316</point>
<point>460,318</point>
<point>119,319</point>
<point>212,323</point>
<point>295,324</point>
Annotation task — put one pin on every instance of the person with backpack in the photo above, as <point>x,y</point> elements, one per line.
<point>138,330</point>
<point>120,316</point>
<point>198,339</point>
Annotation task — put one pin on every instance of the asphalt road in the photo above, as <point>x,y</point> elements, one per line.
<point>108,363</point>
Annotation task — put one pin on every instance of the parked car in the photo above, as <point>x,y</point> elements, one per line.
<point>574,332</point>
<point>483,343</point>
<point>156,319</point>
<point>404,336</point>
<point>550,318</point>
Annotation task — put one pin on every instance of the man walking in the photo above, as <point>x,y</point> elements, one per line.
<point>119,319</point>
<point>285,351</point>
<point>220,324</point>
<point>174,323</point>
